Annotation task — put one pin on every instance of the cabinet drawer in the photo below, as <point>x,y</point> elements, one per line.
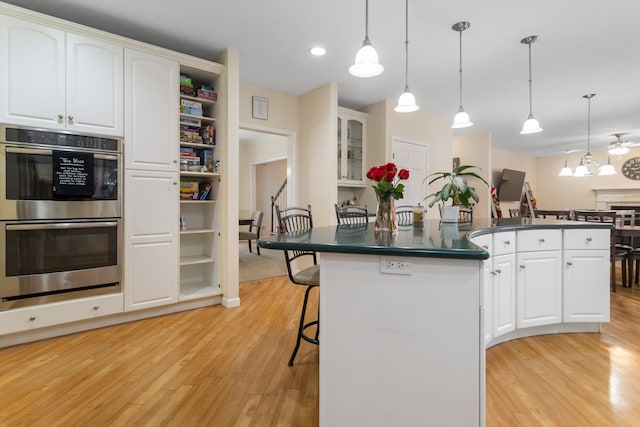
<point>28,318</point>
<point>485,241</point>
<point>587,239</point>
<point>504,243</point>
<point>539,240</point>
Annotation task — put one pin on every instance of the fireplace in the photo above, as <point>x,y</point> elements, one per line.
<point>617,198</point>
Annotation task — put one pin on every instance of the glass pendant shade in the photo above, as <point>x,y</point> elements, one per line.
<point>607,168</point>
<point>581,170</point>
<point>406,102</point>
<point>618,149</point>
<point>366,64</point>
<point>461,120</point>
<point>531,125</point>
<point>566,170</point>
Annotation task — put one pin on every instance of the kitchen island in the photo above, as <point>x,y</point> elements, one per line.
<point>404,316</point>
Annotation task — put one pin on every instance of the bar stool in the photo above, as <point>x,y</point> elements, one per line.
<point>296,220</point>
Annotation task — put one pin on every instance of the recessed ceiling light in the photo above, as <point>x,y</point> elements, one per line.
<point>318,51</point>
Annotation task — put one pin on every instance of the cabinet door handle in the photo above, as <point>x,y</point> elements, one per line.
<point>522,266</point>
<point>485,247</point>
<point>498,271</point>
<point>96,307</point>
<point>60,117</point>
<point>589,239</point>
<point>70,119</point>
<point>32,318</point>
<point>541,240</point>
<point>175,182</point>
<point>175,161</point>
<point>507,242</point>
<point>569,263</point>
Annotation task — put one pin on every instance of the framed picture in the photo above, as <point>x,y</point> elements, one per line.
<point>260,108</point>
<point>455,164</point>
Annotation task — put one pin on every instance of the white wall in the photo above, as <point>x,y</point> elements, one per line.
<point>475,150</point>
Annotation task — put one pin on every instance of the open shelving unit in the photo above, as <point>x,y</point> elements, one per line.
<point>200,245</point>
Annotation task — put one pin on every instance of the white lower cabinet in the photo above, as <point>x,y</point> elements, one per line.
<point>504,294</point>
<point>151,239</point>
<point>586,275</point>
<point>29,318</point>
<point>586,296</point>
<point>539,288</point>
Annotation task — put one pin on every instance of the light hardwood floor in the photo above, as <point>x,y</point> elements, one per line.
<point>228,367</point>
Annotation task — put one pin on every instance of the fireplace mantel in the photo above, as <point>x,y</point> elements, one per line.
<point>607,197</point>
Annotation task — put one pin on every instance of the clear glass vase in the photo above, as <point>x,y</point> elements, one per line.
<point>386,213</point>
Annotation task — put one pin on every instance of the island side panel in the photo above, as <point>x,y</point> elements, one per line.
<point>400,349</point>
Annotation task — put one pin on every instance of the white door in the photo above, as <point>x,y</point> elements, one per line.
<point>411,155</point>
<point>586,286</point>
<point>504,294</point>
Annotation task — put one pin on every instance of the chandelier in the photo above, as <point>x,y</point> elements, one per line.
<point>588,165</point>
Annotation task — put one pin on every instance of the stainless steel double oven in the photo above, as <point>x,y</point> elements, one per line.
<point>60,216</point>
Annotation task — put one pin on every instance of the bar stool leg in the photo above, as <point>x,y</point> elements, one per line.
<point>302,326</point>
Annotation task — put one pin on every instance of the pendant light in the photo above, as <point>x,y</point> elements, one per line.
<point>461,120</point>
<point>531,125</point>
<point>588,166</point>
<point>406,102</point>
<point>566,170</point>
<point>366,64</point>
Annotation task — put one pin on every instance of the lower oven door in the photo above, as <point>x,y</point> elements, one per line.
<point>52,261</point>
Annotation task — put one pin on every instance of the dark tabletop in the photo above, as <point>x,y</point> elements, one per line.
<point>431,240</point>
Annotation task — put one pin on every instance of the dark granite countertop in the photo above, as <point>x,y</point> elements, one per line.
<point>434,239</point>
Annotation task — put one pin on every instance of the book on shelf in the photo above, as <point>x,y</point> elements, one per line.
<point>206,190</point>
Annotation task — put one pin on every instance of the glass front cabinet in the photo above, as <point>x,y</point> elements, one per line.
<point>352,134</point>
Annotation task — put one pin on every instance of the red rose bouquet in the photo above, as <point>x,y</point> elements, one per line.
<point>387,178</point>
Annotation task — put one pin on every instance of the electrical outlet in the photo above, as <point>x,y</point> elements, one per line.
<point>396,265</point>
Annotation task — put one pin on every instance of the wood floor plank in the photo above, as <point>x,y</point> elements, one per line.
<point>228,367</point>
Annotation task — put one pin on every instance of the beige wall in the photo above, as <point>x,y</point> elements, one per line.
<point>384,124</point>
<point>317,152</point>
<point>283,108</point>
<point>558,192</point>
<point>475,150</point>
<point>264,150</point>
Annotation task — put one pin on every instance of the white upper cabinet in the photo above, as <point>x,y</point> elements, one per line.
<point>57,80</point>
<point>352,136</point>
<point>151,109</point>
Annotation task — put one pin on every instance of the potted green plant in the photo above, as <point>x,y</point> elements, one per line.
<point>456,189</point>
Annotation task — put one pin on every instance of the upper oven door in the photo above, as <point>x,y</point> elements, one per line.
<point>27,185</point>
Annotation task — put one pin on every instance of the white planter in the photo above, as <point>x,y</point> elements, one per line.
<point>449,213</point>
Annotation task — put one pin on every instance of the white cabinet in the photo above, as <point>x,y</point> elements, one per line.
<point>58,80</point>
<point>485,241</point>
<point>539,278</point>
<point>29,318</point>
<point>504,283</point>
<point>586,275</point>
<point>151,106</point>
<point>352,136</point>
<point>151,239</point>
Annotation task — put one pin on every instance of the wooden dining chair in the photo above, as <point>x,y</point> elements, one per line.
<point>351,214</point>
<point>254,230</point>
<point>404,215</point>
<point>302,267</point>
<point>619,252</point>
<point>557,214</point>
<point>514,213</point>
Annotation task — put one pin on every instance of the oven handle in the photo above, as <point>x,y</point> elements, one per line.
<point>60,225</point>
<point>50,153</point>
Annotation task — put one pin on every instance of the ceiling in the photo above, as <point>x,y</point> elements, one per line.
<point>584,46</point>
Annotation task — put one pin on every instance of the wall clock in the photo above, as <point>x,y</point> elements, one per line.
<point>631,168</point>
